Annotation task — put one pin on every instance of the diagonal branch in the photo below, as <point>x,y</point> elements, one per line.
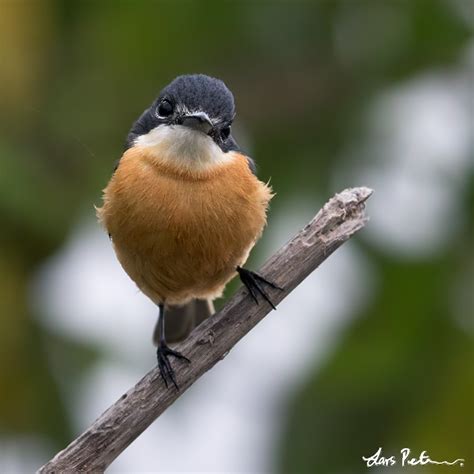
<point>129,416</point>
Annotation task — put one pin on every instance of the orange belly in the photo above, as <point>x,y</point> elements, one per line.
<point>180,235</point>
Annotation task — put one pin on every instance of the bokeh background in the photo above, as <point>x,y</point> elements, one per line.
<point>375,349</point>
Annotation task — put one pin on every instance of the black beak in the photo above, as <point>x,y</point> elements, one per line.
<point>198,121</point>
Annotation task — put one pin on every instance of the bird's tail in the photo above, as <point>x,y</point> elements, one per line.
<point>181,320</point>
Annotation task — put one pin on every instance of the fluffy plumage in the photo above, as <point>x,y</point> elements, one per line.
<point>201,92</point>
<point>190,93</point>
<point>184,207</point>
<point>180,233</point>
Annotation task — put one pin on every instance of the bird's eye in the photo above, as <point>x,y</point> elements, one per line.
<point>165,109</point>
<point>225,132</point>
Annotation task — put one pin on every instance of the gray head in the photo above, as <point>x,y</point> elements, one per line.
<point>196,101</point>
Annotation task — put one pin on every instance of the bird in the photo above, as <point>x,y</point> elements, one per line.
<point>184,207</point>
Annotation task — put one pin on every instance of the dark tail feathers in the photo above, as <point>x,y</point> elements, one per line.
<point>181,320</point>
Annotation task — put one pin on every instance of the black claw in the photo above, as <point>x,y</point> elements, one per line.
<point>252,281</point>
<point>264,293</point>
<point>166,370</point>
<point>249,284</point>
<point>264,280</point>
<point>164,366</point>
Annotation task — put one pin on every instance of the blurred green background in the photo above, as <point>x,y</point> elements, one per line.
<point>329,94</point>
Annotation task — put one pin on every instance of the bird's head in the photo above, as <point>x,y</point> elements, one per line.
<point>189,123</point>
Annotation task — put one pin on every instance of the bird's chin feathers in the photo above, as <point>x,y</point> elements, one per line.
<point>181,146</point>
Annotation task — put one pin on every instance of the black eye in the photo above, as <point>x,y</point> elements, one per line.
<point>225,132</point>
<point>165,109</point>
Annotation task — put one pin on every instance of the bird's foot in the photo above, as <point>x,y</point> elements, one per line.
<point>166,371</point>
<point>254,284</point>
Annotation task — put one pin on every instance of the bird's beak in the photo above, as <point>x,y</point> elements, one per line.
<point>197,121</point>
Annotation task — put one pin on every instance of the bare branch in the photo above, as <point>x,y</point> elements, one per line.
<point>129,416</point>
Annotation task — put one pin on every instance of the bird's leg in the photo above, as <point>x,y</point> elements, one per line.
<point>164,352</point>
<point>255,285</point>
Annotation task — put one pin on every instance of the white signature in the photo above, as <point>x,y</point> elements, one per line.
<point>377,459</point>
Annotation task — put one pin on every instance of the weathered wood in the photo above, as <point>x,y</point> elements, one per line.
<point>129,416</point>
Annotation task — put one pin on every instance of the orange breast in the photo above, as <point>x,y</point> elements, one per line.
<point>180,235</point>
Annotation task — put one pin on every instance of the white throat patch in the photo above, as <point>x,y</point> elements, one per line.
<point>183,146</point>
